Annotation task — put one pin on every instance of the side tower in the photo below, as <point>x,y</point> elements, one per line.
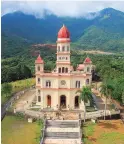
<point>39,69</point>
<point>88,70</point>
<point>63,51</point>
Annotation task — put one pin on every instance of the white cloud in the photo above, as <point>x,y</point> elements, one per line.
<point>59,8</point>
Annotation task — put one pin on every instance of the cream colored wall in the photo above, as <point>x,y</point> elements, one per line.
<point>56,93</point>
<point>63,44</point>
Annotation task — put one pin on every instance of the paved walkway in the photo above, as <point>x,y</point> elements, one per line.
<point>100,101</point>
<point>25,101</point>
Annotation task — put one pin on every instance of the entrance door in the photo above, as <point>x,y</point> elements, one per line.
<point>63,101</point>
<point>49,100</point>
<point>77,102</point>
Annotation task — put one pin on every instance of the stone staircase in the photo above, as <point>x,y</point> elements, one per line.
<point>62,132</point>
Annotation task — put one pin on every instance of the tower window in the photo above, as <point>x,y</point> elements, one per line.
<point>38,68</point>
<point>66,58</point>
<point>38,80</point>
<point>63,69</point>
<point>39,98</point>
<point>58,48</point>
<point>66,70</point>
<point>48,83</point>
<point>88,69</point>
<point>87,81</point>
<point>67,48</point>
<point>59,70</point>
<point>63,48</point>
<point>77,84</point>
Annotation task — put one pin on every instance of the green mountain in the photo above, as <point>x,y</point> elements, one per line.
<point>105,31</point>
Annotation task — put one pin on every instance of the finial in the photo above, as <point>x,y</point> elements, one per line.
<point>63,25</point>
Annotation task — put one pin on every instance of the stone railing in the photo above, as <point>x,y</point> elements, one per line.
<point>99,113</point>
<point>43,132</point>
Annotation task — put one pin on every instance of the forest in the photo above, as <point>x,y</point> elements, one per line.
<point>106,67</point>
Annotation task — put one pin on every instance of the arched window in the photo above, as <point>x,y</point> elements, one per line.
<point>39,98</point>
<point>48,84</point>
<point>88,69</point>
<point>67,48</point>
<point>60,58</point>
<point>58,48</point>
<point>63,48</point>
<point>66,70</point>
<point>63,69</point>
<point>38,80</point>
<point>38,68</point>
<point>66,58</point>
<point>59,70</point>
<point>48,100</point>
<point>87,81</point>
<point>77,84</point>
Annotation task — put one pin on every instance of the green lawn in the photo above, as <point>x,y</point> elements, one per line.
<point>88,130</point>
<point>105,132</point>
<point>19,131</point>
<point>18,86</point>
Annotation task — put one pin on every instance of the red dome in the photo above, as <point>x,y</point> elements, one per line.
<point>39,60</point>
<point>63,33</point>
<point>87,60</point>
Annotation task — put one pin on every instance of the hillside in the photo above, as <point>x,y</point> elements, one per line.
<point>104,32</point>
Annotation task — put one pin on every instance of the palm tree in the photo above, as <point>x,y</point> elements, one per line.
<point>85,95</point>
<point>106,90</point>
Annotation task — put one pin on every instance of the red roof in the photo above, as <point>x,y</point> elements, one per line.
<point>80,67</point>
<point>39,60</point>
<point>87,60</point>
<point>63,33</point>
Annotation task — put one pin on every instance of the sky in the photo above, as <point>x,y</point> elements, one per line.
<point>57,7</point>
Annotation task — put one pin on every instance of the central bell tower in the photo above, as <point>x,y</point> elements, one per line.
<point>63,63</point>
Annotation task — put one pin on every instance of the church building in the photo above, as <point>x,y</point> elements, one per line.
<point>58,88</point>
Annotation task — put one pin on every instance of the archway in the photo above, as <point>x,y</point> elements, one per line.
<point>49,100</point>
<point>76,102</point>
<point>63,101</point>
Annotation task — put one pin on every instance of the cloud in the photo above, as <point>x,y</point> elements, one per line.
<point>59,8</point>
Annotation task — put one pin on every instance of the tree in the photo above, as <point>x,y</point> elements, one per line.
<point>6,89</point>
<point>106,90</point>
<point>85,95</point>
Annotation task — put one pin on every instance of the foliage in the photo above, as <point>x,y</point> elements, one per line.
<point>6,89</point>
<point>16,87</point>
<point>103,32</point>
<point>85,94</point>
<point>19,115</point>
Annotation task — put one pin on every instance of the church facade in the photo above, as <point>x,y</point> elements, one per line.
<point>59,87</point>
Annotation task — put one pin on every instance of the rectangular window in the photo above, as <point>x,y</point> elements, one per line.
<point>77,85</point>
<point>38,80</point>
<point>38,68</point>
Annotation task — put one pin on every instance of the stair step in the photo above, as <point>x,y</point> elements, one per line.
<point>61,141</point>
<point>62,134</point>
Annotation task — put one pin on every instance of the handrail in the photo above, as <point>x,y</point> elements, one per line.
<point>43,132</point>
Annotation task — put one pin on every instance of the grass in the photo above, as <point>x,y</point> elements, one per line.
<point>18,86</point>
<point>104,132</point>
<point>88,130</point>
<point>19,131</point>
<point>111,137</point>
